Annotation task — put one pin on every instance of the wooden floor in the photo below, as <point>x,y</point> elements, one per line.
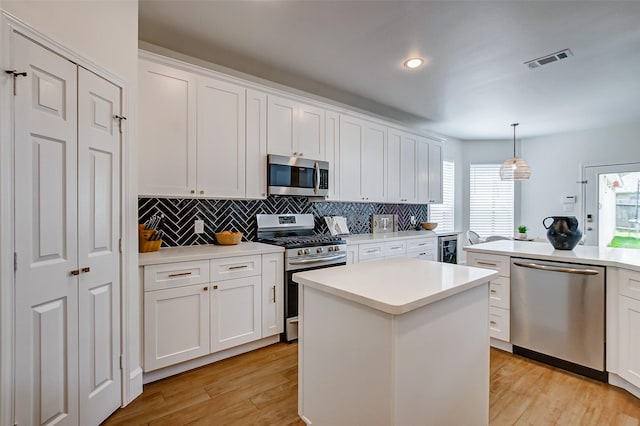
<point>260,388</point>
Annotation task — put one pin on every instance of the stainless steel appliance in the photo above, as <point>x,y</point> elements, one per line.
<point>297,176</point>
<point>304,251</point>
<point>558,314</point>
<point>448,248</point>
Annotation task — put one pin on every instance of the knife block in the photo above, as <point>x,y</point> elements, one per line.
<point>144,245</point>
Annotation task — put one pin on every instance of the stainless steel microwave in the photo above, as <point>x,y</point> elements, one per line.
<point>297,176</point>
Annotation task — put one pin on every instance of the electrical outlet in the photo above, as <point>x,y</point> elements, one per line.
<point>198,226</point>
<point>413,220</point>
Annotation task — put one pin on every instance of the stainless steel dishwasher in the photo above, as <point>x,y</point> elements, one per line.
<point>558,314</point>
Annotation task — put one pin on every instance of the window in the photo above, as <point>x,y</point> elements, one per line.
<point>490,201</point>
<point>444,213</point>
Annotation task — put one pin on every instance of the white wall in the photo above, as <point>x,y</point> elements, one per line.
<point>104,32</point>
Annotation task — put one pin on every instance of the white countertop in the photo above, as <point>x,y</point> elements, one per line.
<point>391,236</point>
<point>593,255</point>
<point>397,285</point>
<point>206,251</point>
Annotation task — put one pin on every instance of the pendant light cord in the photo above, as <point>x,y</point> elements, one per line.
<point>514,138</point>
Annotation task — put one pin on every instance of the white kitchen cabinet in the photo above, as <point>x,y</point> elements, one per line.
<point>235,312</point>
<point>370,251</point>
<point>429,171</point>
<point>295,128</point>
<point>256,139</point>
<point>166,130</point>
<point>629,326</point>
<point>396,248</point>
<point>176,325</point>
<point>402,176</point>
<point>332,152</point>
<point>272,294</point>
<point>352,255</point>
<point>423,248</point>
<point>351,139</point>
<point>499,292</point>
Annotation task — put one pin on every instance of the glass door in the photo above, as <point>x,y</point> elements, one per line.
<point>612,205</point>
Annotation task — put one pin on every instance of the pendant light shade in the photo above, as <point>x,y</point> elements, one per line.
<point>515,168</point>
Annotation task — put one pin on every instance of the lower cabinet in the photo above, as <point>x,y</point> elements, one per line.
<point>235,312</point>
<point>629,343</point>
<point>237,300</point>
<point>416,248</point>
<point>176,325</point>
<point>423,248</point>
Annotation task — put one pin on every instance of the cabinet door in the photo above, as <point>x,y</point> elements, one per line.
<point>629,367</point>
<point>352,255</point>
<point>176,325</point>
<point>167,131</point>
<point>310,142</point>
<point>221,139</point>
<point>272,294</point>
<point>394,168</point>
<point>235,312</point>
<point>281,128</point>
<point>351,136</point>
<point>408,172</point>
<point>256,165</point>
<point>332,152</point>
<point>423,171</point>
<point>435,172</point>
<point>373,170</point>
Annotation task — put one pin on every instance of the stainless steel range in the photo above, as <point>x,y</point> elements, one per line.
<point>304,251</point>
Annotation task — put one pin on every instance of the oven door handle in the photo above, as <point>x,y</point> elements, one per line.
<point>318,260</point>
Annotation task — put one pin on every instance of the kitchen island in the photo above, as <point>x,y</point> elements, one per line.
<point>394,342</point>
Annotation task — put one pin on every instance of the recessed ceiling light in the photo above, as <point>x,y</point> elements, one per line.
<point>413,62</point>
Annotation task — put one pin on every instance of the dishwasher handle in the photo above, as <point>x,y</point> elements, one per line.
<point>557,269</point>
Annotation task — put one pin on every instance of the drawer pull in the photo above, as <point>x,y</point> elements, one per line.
<point>486,263</point>
<point>422,244</point>
<point>206,289</point>
<point>215,287</point>
<point>376,250</point>
<point>492,322</point>
<point>239,267</point>
<point>181,274</point>
<point>493,291</point>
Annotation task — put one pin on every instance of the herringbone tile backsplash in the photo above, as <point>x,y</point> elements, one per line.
<point>240,215</point>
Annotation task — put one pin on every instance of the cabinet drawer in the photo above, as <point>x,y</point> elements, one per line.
<point>370,251</point>
<point>395,248</point>
<point>421,244</point>
<point>499,323</point>
<point>629,283</point>
<point>498,263</point>
<point>499,292</point>
<point>235,267</point>
<point>178,274</point>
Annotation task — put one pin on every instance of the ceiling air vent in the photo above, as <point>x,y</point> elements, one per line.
<point>554,57</point>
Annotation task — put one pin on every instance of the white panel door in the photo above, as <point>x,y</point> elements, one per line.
<point>408,175</point>
<point>373,169</point>
<point>394,168</point>
<point>351,134</point>
<point>281,126</point>
<point>256,166</point>
<point>176,325</point>
<point>46,316</point>
<point>235,312</point>
<point>310,143</point>
<point>167,130</point>
<point>221,139</point>
<point>272,294</point>
<point>98,254</point>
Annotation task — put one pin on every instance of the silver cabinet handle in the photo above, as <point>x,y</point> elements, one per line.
<point>181,274</point>
<point>486,263</point>
<point>239,267</point>
<point>557,269</point>
<point>321,259</point>
<point>376,250</point>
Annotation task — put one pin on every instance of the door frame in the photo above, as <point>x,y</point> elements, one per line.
<point>587,173</point>
<point>129,308</point>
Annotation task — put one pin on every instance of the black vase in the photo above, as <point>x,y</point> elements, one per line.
<point>563,233</point>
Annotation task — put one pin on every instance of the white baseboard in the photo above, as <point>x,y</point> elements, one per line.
<point>172,370</point>
<point>501,344</point>
<point>618,381</point>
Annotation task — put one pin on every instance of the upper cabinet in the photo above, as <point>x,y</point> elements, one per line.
<point>199,136</point>
<point>167,130</point>
<point>429,171</point>
<point>295,129</point>
<point>402,157</point>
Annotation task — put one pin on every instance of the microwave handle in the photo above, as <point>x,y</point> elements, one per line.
<point>316,185</point>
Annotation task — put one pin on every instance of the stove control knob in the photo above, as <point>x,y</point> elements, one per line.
<point>330,249</point>
<point>319,250</point>
<point>336,248</point>
<point>307,251</point>
<point>300,252</point>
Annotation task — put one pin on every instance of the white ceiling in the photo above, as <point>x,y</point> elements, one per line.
<point>475,83</point>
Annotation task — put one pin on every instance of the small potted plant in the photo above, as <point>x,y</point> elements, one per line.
<point>522,232</point>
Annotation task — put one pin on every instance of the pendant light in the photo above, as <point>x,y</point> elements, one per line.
<point>515,168</point>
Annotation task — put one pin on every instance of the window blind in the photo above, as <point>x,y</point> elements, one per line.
<point>444,213</point>
<point>490,201</point>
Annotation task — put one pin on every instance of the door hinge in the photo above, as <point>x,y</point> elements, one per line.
<point>120,118</point>
<point>15,76</point>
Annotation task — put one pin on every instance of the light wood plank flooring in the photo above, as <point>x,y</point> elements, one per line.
<point>260,388</point>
